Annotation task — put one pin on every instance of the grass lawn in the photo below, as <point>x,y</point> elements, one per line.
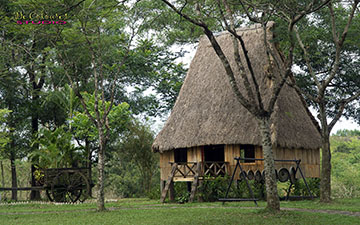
<point>142,211</point>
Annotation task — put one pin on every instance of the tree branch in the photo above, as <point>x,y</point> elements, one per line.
<point>300,93</point>
<point>239,65</point>
<point>338,43</point>
<point>343,103</point>
<point>198,23</point>
<point>307,59</point>
<point>75,87</point>
<point>229,72</point>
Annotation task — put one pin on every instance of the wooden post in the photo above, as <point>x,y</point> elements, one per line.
<point>199,197</point>
<point>169,186</point>
<point>195,182</point>
<point>171,191</point>
<point>162,185</point>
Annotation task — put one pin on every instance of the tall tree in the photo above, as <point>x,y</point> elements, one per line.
<point>99,47</point>
<point>329,78</point>
<point>13,92</point>
<point>4,139</point>
<point>136,148</point>
<point>27,41</point>
<point>205,15</point>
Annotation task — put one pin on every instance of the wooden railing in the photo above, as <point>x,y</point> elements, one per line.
<point>210,169</point>
<point>215,169</point>
<point>186,169</point>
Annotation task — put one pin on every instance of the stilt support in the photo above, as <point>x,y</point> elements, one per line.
<point>169,182</point>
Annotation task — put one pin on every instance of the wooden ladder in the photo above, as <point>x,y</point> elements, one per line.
<point>195,182</point>
<point>168,183</point>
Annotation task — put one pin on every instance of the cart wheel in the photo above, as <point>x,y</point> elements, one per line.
<point>86,192</point>
<point>48,194</point>
<point>68,186</point>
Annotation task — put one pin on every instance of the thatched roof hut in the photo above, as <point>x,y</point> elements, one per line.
<point>207,112</point>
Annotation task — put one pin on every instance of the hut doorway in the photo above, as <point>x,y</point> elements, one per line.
<point>180,155</point>
<point>214,161</point>
<point>214,153</point>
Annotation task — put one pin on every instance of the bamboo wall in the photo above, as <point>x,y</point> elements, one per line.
<point>310,160</point>
<point>165,167</point>
<point>232,151</point>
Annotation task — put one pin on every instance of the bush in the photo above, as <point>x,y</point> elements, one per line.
<point>213,189</point>
<point>299,188</point>
<point>181,192</point>
<point>154,193</point>
<point>345,173</point>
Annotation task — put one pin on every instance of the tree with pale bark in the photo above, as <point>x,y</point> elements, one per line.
<point>329,79</point>
<point>209,16</point>
<point>102,52</point>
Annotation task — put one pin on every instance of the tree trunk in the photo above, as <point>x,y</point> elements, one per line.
<point>12,150</point>
<point>13,176</point>
<point>101,166</point>
<point>2,179</point>
<point>36,87</point>
<point>2,174</point>
<point>272,197</point>
<point>325,183</point>
<point>34,195</point>
<point>88,164</point>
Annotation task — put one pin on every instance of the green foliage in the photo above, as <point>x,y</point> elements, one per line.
<point>316,34</point>
<point>170,28</point>
<point>56,149</point>
<point>213,189</point>
<point>133,167</point>
<point>181,192</point>
<point>23,177</point>
<point>119,118</point>
<point>347,133</point>
<point>299,188</point>
<point>4,137</point>
<point>346,164</point>
<point>64,102</point>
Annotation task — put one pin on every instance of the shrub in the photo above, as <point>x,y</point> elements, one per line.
<point>299,188</point>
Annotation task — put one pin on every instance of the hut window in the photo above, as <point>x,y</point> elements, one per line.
<point>248,151</point>
<point>214,153</point>
<point>180,155</point>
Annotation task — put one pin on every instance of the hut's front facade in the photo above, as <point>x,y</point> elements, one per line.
<point>208,126</point>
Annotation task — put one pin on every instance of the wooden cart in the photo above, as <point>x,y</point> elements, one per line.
<point>62,184</point>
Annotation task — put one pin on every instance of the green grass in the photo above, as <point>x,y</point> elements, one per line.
<point>352,204</point>
<point>179,216</point>
<point>141,211</point>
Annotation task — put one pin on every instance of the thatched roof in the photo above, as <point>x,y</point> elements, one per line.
<point>207,112</point>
